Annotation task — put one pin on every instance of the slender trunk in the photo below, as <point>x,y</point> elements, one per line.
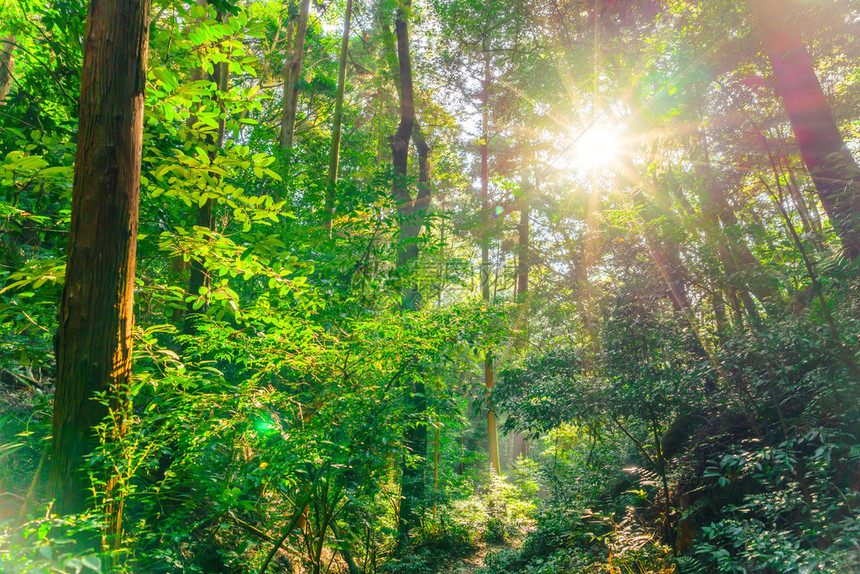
<point>94,338</point>
<point>523,263</point>
<point>833,169</point>
<point>415,439</point>
<point>7,53</point>
<point>485,182</point>
<point>435,466</point>
<point>520,446</point>
<point>337,125</point>
<point>292,76</point>
<point>739,263</point>
<point>205,217</point>
<point>485,258</point>
<point>489,380</point>
<point>661,468</point>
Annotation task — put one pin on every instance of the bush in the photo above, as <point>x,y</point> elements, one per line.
<point>495,515</point>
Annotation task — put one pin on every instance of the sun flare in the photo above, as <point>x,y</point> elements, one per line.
<point>597,147</point>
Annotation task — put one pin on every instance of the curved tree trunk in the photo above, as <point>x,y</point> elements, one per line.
<point>96,317</point>
<point>7,53</point>
<point>337,122</point>
<point>205,215</point>
<point>832,167</point>
<point>412,478</point>
<point>292,76</point>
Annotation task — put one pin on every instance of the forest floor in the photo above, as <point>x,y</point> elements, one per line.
<point>474,560</point>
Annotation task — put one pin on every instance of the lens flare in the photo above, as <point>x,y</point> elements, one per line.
<point>597,147</point>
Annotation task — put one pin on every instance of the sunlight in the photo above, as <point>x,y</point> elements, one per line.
<point>597,147</point>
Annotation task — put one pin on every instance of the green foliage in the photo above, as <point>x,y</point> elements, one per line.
<point>684,360</point>
<point>49,545</point>
<point>798,495</point>
<point>543,393</point>
<point>495,515</point>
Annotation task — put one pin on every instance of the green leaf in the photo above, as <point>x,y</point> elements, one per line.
<point>167,79</point>
<point>93,562</point>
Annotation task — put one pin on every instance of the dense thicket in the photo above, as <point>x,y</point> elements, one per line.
<point>369,231</point>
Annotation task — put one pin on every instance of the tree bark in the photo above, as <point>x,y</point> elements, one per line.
<point>739,263</point>
<point>7,53</point>
<point>485,181</point>
<point>415,439</point>
<point>833,169</point>
<point>292,76</point>
<point>205,215</point>
<point>94,339</point>
<point>520,446</point>
<point>337,122</point>
<point>492,431</point>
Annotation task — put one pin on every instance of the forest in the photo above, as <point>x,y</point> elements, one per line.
<point>430,286</point>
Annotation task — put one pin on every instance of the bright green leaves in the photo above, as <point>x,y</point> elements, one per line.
<point>36,274</point>
<point>168,79</point>
<point>26,166</point>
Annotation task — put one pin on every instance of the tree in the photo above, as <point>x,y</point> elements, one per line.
<point>292,74</point>
<point>95,319</point>
<point>337,121</point>
<point>205,214</point>
<point>7,53</point>
<point>832,167</point>
<point>412,480</point>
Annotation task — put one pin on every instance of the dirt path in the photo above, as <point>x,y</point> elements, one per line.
<point>474,561</point>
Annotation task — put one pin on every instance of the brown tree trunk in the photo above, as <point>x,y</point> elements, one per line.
<point>489,378</point>
<point>96,313</point>
<point>292,76</point>
<point>520,446</point>
<point>337,122</point>
<point>205,216</point>
<point>485,181</point>
<point>7,53</point>
<point>523,263</point>
<point>415,439</point>
<point>832,167</point>
<point>739,263</point>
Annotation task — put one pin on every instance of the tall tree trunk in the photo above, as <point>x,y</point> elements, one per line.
<point>412,228</point>
<point>489,378</point>
<point>485,181</point>
<point>412,478</point>
<point>523,231</point>
<point>292,76</point>
<point>7,53</point>
<point>94,338</point>
<point>520,447</point>
<point>664,253</point>
<point>422,200</point>
<point>205,216</point>
<point>739,263</point>
<point>337,122</point>
<point>832,167</point>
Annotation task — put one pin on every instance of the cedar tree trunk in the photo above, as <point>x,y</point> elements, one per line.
<point>489,379</point>
<point>292,76</point>
<point>337,122</point>
<point>832,167</point>
<point>95,321</point>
